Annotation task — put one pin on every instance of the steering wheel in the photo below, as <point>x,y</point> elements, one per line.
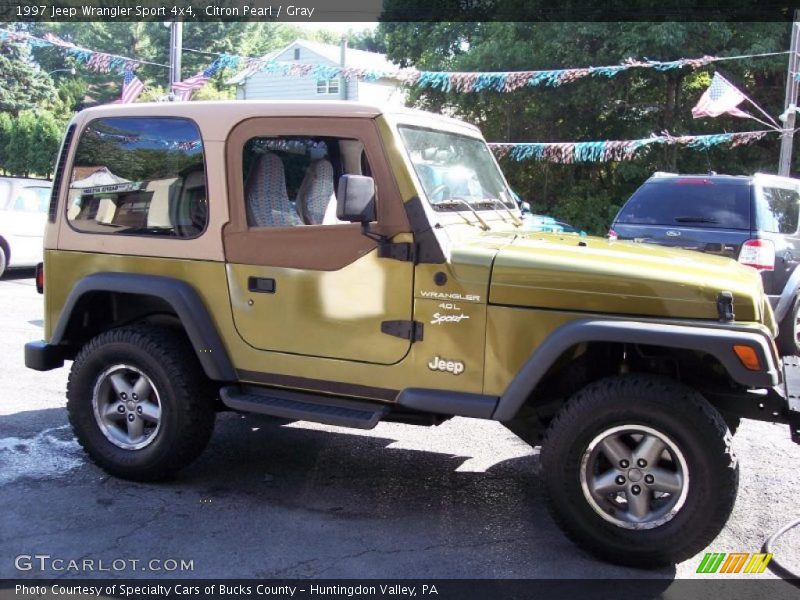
<point>439,189</point>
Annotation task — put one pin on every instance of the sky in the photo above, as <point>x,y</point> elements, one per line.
<point>337,27</point>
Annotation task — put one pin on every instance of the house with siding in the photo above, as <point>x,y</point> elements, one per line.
<point>253,84</point>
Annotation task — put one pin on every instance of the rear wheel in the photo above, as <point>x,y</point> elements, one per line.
<point>789,332</point>
<point>139,402</point>
<point>639,470</point>
<point>3,260</point>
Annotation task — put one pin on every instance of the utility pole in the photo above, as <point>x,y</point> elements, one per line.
<point>343,64</point>
<point>175,51</point>
<point>790,103</point>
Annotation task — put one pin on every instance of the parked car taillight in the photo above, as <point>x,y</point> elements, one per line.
<point>40,278</point>
<point>612,235</point>
<point>759,254</point>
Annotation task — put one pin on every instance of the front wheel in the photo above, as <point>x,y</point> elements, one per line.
<point>139,402</point>
<point>639,470</point>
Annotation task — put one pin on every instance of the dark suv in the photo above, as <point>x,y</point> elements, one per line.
<point>751,219</point>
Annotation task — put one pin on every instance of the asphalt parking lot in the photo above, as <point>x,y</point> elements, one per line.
<point>275,500</point>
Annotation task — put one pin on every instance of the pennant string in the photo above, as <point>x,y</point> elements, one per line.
<point>101,62</point>
<point>615,150</point>
<point>446,81</point>
<point>466,81</point>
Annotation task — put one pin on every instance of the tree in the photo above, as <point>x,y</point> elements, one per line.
<point>6,125</point>
<point>45,140</point>
<point>20,145</point>
<point>24,85</point>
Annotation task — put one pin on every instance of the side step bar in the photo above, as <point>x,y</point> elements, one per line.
<point>300,406</point>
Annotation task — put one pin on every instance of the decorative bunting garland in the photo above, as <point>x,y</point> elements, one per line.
<point>499,81</point>
<point>615,150</point>
<point>99,62</point>
<point>447,81</point>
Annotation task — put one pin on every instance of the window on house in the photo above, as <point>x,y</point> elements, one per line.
<point>328,86</point>
<point>139,176</point>
<point>297,53</point>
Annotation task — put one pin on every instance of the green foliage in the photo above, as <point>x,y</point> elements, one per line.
<point>20,145</point>
<point>46,138</point>
<point>6,124</point>
<point>24,86</point>
<point>29,143</point>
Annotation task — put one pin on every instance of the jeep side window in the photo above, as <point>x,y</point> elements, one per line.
<point>139,176</point>
<point>779,210</point>
<point>291,180</point>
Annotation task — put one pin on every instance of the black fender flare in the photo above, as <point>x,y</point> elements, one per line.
<point>716,341</point>
<point>183,299</point>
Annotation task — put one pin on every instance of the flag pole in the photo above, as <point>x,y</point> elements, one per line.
<point>774,125</point>
<point>778,129</point>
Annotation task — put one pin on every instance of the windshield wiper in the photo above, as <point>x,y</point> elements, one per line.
<point>697,219</point>
<point>484,224</point>
<point>514,219</point>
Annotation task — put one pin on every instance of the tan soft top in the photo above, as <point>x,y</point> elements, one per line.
<point>217,118</point>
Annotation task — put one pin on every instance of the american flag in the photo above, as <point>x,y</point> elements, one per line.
<point>185,88</point>
<point>721,97</point>
<point>132,86</point>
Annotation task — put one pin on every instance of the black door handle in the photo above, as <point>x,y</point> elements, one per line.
<point>261,285</point>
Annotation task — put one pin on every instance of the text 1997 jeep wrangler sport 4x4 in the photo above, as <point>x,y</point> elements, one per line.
<point>336,263</point>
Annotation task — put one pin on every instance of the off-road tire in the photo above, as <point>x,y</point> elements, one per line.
<point>672,409</point>
<point>186,396</point>
<point>787,337</point>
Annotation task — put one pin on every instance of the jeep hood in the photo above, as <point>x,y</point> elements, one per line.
<point>586,274</point>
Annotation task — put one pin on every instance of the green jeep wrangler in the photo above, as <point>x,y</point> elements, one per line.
<point>344,264</point>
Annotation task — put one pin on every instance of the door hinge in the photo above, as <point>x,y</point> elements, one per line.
<point>404,251</point>
<point>408,330</point>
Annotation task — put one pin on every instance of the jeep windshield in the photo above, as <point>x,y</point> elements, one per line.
<point>457,172</point>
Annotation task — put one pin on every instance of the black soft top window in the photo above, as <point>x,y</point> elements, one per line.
<point>690,203</point>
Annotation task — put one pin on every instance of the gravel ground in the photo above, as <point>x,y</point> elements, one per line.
<point>270,499</point>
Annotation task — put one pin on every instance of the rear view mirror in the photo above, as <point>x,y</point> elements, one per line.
<point>355,199</point>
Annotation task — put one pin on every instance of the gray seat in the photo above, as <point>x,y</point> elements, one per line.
<point>265,193</point>
<point>316,197</point>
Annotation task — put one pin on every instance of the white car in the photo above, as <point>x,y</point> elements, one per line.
<point>23,215</point>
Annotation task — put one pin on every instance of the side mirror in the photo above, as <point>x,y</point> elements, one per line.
<point>355,199</point>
